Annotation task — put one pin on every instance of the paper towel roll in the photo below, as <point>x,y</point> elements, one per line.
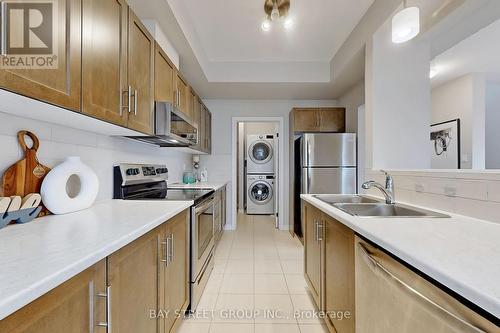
<point>54,187</point>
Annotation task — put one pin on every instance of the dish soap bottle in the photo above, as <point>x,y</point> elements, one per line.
<point>204,175</point>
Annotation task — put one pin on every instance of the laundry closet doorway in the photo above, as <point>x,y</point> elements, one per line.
<point>257,162</point>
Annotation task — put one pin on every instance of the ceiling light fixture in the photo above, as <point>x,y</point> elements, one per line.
<point>266,25</point>
<point>405,24</point>
<point>276,11</point>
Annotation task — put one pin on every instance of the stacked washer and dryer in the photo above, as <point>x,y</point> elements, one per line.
<point>260,174</point>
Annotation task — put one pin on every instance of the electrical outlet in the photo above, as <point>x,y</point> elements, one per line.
<point>450,191</point>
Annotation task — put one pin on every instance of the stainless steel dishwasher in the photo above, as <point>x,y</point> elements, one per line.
<point>392,298</point>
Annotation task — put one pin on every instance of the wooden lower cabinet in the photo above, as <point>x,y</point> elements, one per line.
<point>339,295</point>
<point>313,252</point>
<point>176,287</point>
<point>133,280</point>
<point>150,276</point>
<point>329,268</point>
<point>65,309</point>
<point>144,285</point>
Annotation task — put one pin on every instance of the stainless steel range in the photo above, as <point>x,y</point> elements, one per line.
<point>149,182</point>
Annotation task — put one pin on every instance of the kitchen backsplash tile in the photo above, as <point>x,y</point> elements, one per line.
<point>475,194</point>
<point>100,152</point>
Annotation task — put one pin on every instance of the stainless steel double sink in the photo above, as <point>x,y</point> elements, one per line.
<point>362,206</point>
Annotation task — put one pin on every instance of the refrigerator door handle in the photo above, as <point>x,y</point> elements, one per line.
<point>308,181</point>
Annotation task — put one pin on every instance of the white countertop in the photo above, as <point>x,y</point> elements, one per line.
<point>198,185</point>
<point>38,256</point>
<point>460,252</point>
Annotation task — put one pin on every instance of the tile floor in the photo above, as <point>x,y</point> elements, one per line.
<point>257,284</point>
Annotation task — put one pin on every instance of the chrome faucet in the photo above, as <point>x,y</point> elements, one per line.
<point>388,190</point>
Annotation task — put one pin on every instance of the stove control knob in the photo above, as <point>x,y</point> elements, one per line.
<point>161,170</point>
<point>132,172</point>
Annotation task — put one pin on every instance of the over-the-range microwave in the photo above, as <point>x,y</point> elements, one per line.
<point>172,128</point>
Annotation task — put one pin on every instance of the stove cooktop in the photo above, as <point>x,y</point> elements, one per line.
<point>175,195</point>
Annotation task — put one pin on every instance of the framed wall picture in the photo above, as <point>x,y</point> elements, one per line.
<point>445,145</point>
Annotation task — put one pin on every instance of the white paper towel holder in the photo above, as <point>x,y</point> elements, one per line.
<point>54,187</point>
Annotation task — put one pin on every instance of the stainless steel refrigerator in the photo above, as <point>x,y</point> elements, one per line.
<point>326,163</point>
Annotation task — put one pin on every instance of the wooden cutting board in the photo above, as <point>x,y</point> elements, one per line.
<point>25,176</point>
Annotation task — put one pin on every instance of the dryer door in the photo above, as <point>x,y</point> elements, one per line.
<point>260,193</point>
<point>260,152</point>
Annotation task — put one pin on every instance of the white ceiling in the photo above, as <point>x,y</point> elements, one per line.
<point>475,54</point>
<point>321,64</point>
<point>230,46</point>
<point>229,31</point>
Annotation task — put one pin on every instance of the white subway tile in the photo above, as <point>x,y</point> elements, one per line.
<point>10,125</point>
<point>479,209</point>
<point>493,190</point>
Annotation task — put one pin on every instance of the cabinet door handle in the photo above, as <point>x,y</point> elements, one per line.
<point>167,250</point>
<point>121,102</point>
<point>376,266</point>
<point>136,98</point>
<point>165,243</point>
<point>171,247</point>
<point>107,296</point>
<point>316,229</point>
<point>129,100</point>
<point>320,231</point>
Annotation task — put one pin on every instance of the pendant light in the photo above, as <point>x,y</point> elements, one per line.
<point>405,24</point>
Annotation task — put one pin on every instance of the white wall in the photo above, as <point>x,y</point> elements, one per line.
<point>398,105</point>
<point>492,122</point>
<point>463,98</point>
<point>352,100</point>
<point>219,163</point>
<point>100,152</point>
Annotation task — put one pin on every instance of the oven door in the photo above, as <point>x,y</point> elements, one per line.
<point>202,235</point>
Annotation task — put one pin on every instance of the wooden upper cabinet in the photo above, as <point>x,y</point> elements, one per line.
<point>104,62</point>
<point>141,47</point>
<point>208,132</point>
<point>164,77</point>
<point>339,274</point>
<point>306,120</point>
<point>133,279</point>
<point>66,308</point>
<point>60,86</point>
<point>202,129</point>
<point>182,95</point>
<point>197,108</point>
<point>332,120</point>
<point>318,119</point>
<point>177,265</point>
<point>191,98</point>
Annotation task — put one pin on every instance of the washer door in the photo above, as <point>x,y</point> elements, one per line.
<point>260,193</point>
<point>260,152</point>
